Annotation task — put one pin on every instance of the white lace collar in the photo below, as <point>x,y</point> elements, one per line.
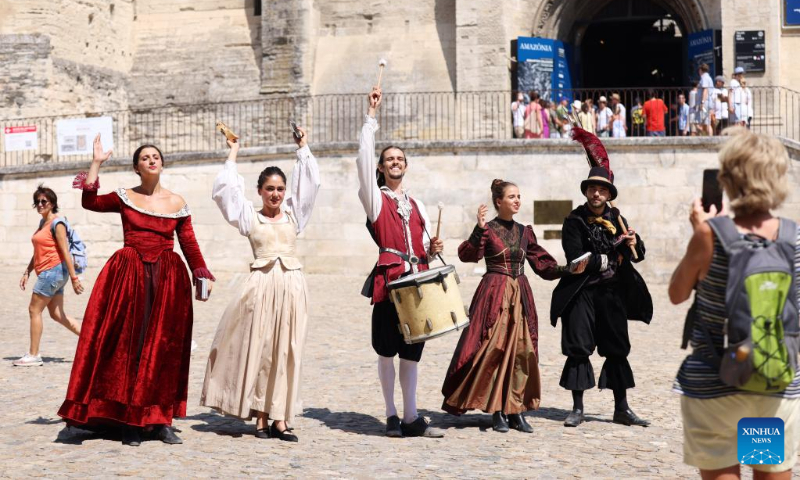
<point>123,195</point>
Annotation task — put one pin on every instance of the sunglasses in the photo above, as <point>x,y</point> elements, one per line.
<point>41,201</point>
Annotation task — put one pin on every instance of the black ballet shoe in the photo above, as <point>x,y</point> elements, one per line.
<point>499,423</point>
<point>285,435</point>
<point>166,435</point>
<point>574,418</point>
<point>262,432</point>
<point>393,428</point>
<point>517,422</point>
<point>131,437</point>
<point>627,417</point>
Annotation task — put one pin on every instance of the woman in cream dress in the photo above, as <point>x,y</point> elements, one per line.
<point>254,365</point>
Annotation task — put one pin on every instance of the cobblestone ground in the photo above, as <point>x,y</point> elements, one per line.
<point>341,428</point>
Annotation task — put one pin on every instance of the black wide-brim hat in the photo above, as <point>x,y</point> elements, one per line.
<point>600,176</point>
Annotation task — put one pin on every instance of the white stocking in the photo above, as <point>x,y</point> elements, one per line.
<point>386,375</point>
<point>408,382</point>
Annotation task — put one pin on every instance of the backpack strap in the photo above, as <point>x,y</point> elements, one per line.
<point>725,230</point>
<point>787,232</point>
<point>55,222</point>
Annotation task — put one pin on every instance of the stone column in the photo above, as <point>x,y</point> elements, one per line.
<point>286,29</point>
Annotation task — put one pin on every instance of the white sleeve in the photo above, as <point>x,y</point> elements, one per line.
<point>426,239</point>
<point>368,191</point>
<point>305,186</point>
<point>228,193</point>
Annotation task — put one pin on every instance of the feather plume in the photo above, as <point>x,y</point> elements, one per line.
<point>595,151</point>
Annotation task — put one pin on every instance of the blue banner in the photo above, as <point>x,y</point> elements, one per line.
<point>543,66</point>
<point>792,13</point>
<point>701,50</point>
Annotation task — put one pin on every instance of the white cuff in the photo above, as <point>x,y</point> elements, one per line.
<point>372,122</point>
<point>603,262</point>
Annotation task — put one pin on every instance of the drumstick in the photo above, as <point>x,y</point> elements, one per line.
<point>439,222</point>
<point>381,64</point>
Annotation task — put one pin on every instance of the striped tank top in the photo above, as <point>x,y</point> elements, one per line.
<point>696,378</point>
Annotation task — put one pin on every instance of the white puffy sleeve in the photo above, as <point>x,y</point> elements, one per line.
<point>368,191</point>
<point>305,185</point>
<point>228,193</point>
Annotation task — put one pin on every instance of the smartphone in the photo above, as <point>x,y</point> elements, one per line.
<point>712,192</point>
<point>295,131</point>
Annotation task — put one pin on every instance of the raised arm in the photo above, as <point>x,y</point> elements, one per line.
<point>472,249</point>
<point>305,183</point>
<point>368,191</point>
<point>90,182</point>
<point>228,194</point>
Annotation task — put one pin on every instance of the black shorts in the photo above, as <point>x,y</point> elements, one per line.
<point>387,341</point>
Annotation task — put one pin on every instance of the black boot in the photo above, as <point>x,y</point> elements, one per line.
<point>499,423</point>
<point>627,417</point>
<point>517,422</point>
<point>166,435</point>
<point>131,437</point>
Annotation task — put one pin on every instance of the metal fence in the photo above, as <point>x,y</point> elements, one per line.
<point>444,116</point>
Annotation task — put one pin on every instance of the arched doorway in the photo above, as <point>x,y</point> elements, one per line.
<point>631,44</point>
<point>623,43</point>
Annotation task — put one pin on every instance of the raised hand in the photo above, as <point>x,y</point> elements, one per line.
<point>375,97</point>
<point>99,155</point>
<point>303,140</point>
<point>482,210</point>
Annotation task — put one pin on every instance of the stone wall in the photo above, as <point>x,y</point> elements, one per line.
<point>656,182</point>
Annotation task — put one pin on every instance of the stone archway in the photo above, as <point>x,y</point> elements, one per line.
<point>558,18</point>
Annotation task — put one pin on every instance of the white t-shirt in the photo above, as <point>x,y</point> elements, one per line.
<point>720,106</point>
<point>519,114</point>
<point>618,129</point>
<point>736,99</point>
<point>603,119</point>
<point>706,84</point>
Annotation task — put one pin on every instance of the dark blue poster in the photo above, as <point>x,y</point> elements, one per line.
<point>701,50</point>
<point>543,65</point>
<point>791,13</point>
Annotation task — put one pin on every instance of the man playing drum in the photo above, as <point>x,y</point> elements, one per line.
<point>398,225</point>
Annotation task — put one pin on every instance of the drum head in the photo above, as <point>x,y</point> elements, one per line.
<point>427,276</point>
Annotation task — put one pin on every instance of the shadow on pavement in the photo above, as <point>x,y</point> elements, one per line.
<point>352,422</point>
<point>222,425</point>
<point>44,421</point>
<point>559,415</point>
<point>45,359</point>
<point>447,421</point>
<point>76,436</point>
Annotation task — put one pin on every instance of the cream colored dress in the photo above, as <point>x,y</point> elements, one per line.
<point>254,364</point>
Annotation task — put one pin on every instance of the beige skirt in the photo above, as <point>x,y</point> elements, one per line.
<point>254,364</point>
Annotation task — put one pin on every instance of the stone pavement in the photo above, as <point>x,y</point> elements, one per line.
<point>341,428</point>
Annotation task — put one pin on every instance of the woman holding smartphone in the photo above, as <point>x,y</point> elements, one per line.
<point>131,366</point>
<point>253,369</point>
<point>495,367</point>
<point>53,265</point>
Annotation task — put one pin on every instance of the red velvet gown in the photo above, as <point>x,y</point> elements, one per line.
<point>132,361</point>
<point>496,364</point>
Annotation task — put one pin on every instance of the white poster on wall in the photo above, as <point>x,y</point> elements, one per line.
<point>75,135</point>
<point>23,137</point>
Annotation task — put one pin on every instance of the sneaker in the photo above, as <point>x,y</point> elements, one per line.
<point>29,360</point>
<point>393,427</point>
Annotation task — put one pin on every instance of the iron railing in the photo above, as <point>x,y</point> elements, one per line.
<point>441,116</point>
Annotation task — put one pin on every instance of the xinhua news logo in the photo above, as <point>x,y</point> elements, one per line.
<point>760,441</point>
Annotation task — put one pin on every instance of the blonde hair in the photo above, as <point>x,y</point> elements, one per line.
<point>753,171</point>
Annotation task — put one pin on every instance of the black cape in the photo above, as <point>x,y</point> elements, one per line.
<point>575,240</point>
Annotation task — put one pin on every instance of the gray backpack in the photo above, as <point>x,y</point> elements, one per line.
<point>763,326</point>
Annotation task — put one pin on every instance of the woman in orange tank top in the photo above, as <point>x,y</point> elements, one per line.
<point>53,265</point>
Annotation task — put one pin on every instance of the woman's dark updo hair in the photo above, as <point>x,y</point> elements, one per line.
<point>268,172</point>
<point>378,174</point>
<point>498,190</point>
<point>139,152</point>
<point>48,193</point>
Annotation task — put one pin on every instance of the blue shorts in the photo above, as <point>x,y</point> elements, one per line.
<point>51,282</point>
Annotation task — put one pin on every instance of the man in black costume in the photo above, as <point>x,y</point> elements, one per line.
<point>595,306</point>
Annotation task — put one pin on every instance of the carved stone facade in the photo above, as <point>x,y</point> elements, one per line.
<point>73,56</point>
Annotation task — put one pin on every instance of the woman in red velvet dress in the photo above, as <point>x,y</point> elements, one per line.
<point>131,366</point>
<point>495,367</point>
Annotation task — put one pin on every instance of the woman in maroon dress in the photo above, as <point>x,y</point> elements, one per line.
<point>131,366</point>
<point>495,367</point>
